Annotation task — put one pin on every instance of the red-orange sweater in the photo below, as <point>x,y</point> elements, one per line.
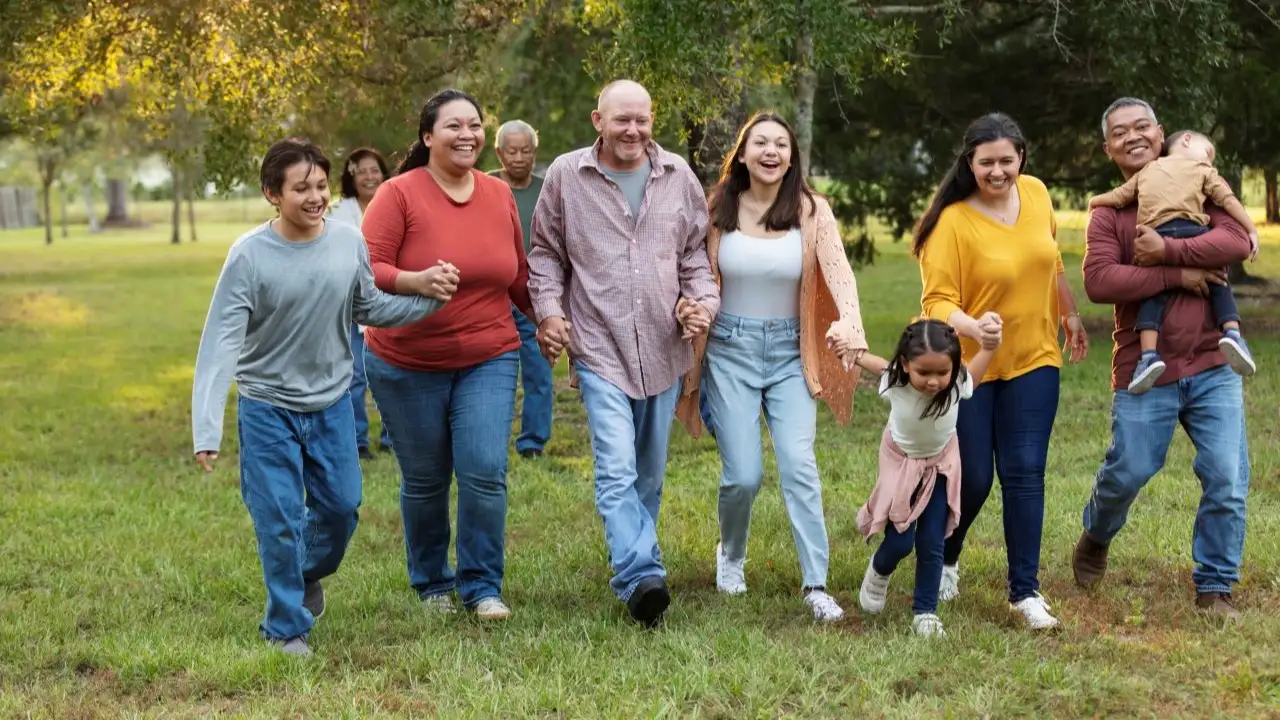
<point>410,225</point>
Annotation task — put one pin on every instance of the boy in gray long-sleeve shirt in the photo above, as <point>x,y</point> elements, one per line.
<point>278,324</point>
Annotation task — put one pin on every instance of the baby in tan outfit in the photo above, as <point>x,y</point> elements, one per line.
<point>1171,192</point>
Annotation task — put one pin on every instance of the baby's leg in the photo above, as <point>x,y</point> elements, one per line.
<point>1150,317</point>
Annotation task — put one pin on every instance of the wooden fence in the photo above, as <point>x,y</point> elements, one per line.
<point>18,207</point>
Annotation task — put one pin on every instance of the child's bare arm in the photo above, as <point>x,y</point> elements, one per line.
<point>873,364</point>
<point>1118,198</point>
<point>978,365</point>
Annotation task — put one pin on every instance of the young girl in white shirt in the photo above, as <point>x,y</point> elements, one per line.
<point>916,501</point>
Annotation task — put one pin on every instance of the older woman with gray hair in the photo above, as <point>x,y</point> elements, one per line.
<point>517,147</point>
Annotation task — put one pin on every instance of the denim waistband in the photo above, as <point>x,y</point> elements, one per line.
<point>746,324</point>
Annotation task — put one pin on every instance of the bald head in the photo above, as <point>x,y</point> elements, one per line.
<point>622,92</point>
<point>624,119</point>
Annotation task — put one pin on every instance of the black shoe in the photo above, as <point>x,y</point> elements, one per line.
<point>530,454</point>
<point>649,601</point>
<point>365,454</point>
<point>313,598</point>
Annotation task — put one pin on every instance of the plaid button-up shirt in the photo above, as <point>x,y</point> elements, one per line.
<point>617,278</point>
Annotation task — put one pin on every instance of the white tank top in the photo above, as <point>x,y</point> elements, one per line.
<point>760,277</point>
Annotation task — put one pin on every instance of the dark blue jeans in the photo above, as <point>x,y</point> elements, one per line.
<point>927,535</point>
<point>1210,407</point>
<point>539,393</point>
<point>1004,428</point>
<point>445,424</point>
<point>1221,299</point>
<point>300,480</point>
<point>358,385</point>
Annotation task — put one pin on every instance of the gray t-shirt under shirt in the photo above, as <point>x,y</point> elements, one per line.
<point>280,323</point>
<point>632,183</point>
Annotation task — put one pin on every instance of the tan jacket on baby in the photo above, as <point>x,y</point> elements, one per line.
<point>1170,188</point>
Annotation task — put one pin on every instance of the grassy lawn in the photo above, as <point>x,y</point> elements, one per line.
<point>130,585</point>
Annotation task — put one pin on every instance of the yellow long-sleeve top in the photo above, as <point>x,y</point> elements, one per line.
<point>975,264</point>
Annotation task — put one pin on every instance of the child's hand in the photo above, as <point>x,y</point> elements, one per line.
<point>206,459</point>
<point>991,341</point>
<point>439,282</point>
<point>1253,246</point>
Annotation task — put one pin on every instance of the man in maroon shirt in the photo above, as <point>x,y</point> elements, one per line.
<point>1123,265</point>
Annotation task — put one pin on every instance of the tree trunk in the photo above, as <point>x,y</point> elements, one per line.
<point>65,203</point>
<point>1236,273</point>
<point>697,133</point>
<point>177,205</point>
<point>191,210</point>
<point>90,212</point>
<point>48,169</point>
<point>1273,196</point>
<point>117,202</point>
<point>806,86</point>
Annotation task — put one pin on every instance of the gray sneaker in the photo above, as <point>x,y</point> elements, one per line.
<point>293,646</point>
<point>313,599</point>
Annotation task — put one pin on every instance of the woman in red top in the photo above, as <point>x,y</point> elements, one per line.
<point>446,386</point>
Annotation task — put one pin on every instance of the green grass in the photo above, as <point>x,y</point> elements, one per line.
<point>130,585</point>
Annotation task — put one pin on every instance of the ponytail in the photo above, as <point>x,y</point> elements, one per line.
<point>418,156</point>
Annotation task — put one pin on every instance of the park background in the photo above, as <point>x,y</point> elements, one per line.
<point>130,584</point>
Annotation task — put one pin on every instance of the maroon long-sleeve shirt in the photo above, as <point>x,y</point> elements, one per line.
<point>1189,336</point>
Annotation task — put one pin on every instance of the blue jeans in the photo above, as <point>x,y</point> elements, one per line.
<point>752,364</point>
<point>1004,428</point>
<point>300,480</point>
<point>535,376</point>
<point>629,440</point>
<point>927,535</point>
<point>358,385</point>
<point>1210,407</point>
<point>447,423</point>
<point>1221,299</point>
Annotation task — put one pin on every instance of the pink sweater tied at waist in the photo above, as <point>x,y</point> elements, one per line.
<point>890,501</point>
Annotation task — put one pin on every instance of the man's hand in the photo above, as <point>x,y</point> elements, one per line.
<point>553,337</point>
<point>693,318</point>
<point>1198,281</point>
<point>206,459</point>
<point>439,282</point>
<point>1148,247</point>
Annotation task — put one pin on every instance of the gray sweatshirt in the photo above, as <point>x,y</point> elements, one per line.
<point>280,323</point>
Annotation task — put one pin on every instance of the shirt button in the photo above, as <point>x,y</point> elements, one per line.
<point>637,272</point>
<point>637,302</point>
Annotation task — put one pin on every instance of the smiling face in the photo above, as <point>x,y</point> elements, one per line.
<point>456,138</point>
<point>625,123</point>
<point>303,200</point>
<point>767,153</point>
<point>1134,138</point>
<point>930,373</point>
<point>368,175</point>
<point>995,166</point>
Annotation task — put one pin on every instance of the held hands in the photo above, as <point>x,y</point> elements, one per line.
<point>439,282</point>
<point>1076,346</point>
<point>553,337</point>
<point>843,347</point>
<point>694,319</point>
<point>988,330</point>
<point>1148,247</point>
<point>206,459</point>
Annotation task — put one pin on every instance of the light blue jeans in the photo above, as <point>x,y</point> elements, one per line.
<point>1210,406</point>
<point>539,390</point>
<point>753,364</point>
<point>629,440</point>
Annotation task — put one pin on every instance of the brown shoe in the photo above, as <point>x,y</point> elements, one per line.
<point>1217,604</point>
<point>1089,562</point>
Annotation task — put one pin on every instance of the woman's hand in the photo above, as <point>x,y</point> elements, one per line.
<point>843,347</point>
<point>439,282</point>
<point>987,330</point>
<point>1077,343</point>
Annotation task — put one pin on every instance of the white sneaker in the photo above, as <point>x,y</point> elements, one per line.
<point>442,603</point>
<point>950,586</point>
<point>730,574</point>
<point>1036,612</point>
<point>492,608</point>
<point>927,625</point>
<point>875,589</point>
<point>825,608</point>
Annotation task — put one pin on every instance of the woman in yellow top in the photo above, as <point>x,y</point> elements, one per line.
<point>990,264</point>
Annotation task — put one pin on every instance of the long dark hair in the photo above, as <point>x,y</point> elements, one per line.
<point>348,180</point>
<point>959,182</point>
<point>928,336</point>
<point>419,153</point>
<point>784,213</point>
